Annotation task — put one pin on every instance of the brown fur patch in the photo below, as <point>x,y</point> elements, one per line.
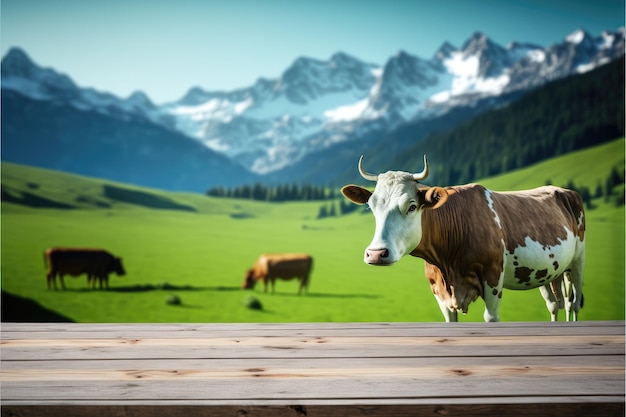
<point>465,248</point>
<point>540,215</point>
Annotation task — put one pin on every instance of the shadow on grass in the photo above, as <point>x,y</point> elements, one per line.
<point>317,295</point>
<point>29,199</point>
<point>222,288</point>
<point>16,309</point>
<point>156,287</point>
<point>143,198</point>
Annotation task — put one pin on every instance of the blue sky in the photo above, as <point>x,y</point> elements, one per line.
<point>165,47</point>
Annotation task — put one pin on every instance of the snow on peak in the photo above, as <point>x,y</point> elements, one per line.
<point>577,36</point>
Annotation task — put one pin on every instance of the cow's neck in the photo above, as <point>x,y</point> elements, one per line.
<point>428,255</point>
<point>430,248</point>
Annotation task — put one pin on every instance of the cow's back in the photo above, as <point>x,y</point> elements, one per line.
<point>542,215</point>
<point>75,261</point>
<point>288,265</point>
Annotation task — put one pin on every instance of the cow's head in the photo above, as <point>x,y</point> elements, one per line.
<point>117,266</point>
<point>397,203</point>
<point>248,280</point>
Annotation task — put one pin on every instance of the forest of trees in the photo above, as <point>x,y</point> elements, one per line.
<point>611,190</point>
<point>275,193</point>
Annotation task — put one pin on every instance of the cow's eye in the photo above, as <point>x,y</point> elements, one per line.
<point>412,207</point>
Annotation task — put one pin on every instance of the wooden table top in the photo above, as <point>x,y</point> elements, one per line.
<point>312,369</point>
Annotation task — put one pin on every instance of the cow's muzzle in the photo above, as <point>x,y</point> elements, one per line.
<point>377,256</point>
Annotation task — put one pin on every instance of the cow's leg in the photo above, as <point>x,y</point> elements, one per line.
<point>304,281</point>
<point>573,285</point>
<point>492,298</point>
<point>62,281</point>
<point>551,302</point>
<point>51,279</point>
<point>573,293</point>
<point>449,316</point>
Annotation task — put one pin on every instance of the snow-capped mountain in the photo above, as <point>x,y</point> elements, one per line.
<point>21,74</point>
<point>315,104</point>
<point>266,126</point>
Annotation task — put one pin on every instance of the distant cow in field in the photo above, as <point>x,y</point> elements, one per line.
<point>97,264</point>
<point>476,241</point>
<point>269,267</point>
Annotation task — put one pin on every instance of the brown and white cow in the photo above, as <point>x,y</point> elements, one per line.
<point>476,241</point>
<point>95,263</point>
<point>270,267</point>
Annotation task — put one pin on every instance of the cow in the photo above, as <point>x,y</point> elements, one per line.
<point>269,267</point>
<point>97,264</point>
<point>475,241</point>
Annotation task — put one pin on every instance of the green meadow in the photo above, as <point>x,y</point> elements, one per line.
<point>198,248</point>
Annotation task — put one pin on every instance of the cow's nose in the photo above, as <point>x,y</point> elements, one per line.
<point>376,256</point>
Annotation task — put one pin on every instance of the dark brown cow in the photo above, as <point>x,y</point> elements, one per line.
<point>476,241</point>
<point>97,264</point>
<point>270,267</point>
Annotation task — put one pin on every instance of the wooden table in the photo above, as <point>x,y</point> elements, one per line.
<point>316,369</point>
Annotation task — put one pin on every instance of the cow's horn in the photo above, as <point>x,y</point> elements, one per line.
<point>422,175</point>
<point>365,174</point>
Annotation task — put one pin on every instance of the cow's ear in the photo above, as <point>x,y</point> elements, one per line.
<point>356,194</point>
<point>434,197</point>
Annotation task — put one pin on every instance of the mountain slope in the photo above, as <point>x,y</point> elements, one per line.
<point>132,150</point>
<point>73,191</point>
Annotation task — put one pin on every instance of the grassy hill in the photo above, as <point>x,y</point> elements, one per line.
<point>198,248</point>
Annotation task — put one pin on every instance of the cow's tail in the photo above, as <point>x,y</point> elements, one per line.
<point>582,299</point>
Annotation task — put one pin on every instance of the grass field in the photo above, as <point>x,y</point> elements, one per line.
<point>198,248</point>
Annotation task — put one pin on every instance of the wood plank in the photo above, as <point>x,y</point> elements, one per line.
<point>532,409</point>
<point>39,330</point>
<point>327,378</point>
<point>303,388</point>
<point>288,346</point>
<point>327,367</point>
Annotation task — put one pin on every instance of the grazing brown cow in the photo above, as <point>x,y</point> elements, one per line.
<point>96,263</point>
<point>476,241</point>
<point>269,267</point>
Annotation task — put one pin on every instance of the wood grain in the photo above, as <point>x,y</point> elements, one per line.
<point>313,369</point>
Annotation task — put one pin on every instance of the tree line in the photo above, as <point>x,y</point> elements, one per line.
<point>275,193</point>
<point>612,189</point>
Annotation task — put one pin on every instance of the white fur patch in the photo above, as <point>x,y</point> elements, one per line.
<point>492,208</point>
<point>534,264</point>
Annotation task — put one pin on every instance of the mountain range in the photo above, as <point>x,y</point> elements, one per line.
<point>262,131</point>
